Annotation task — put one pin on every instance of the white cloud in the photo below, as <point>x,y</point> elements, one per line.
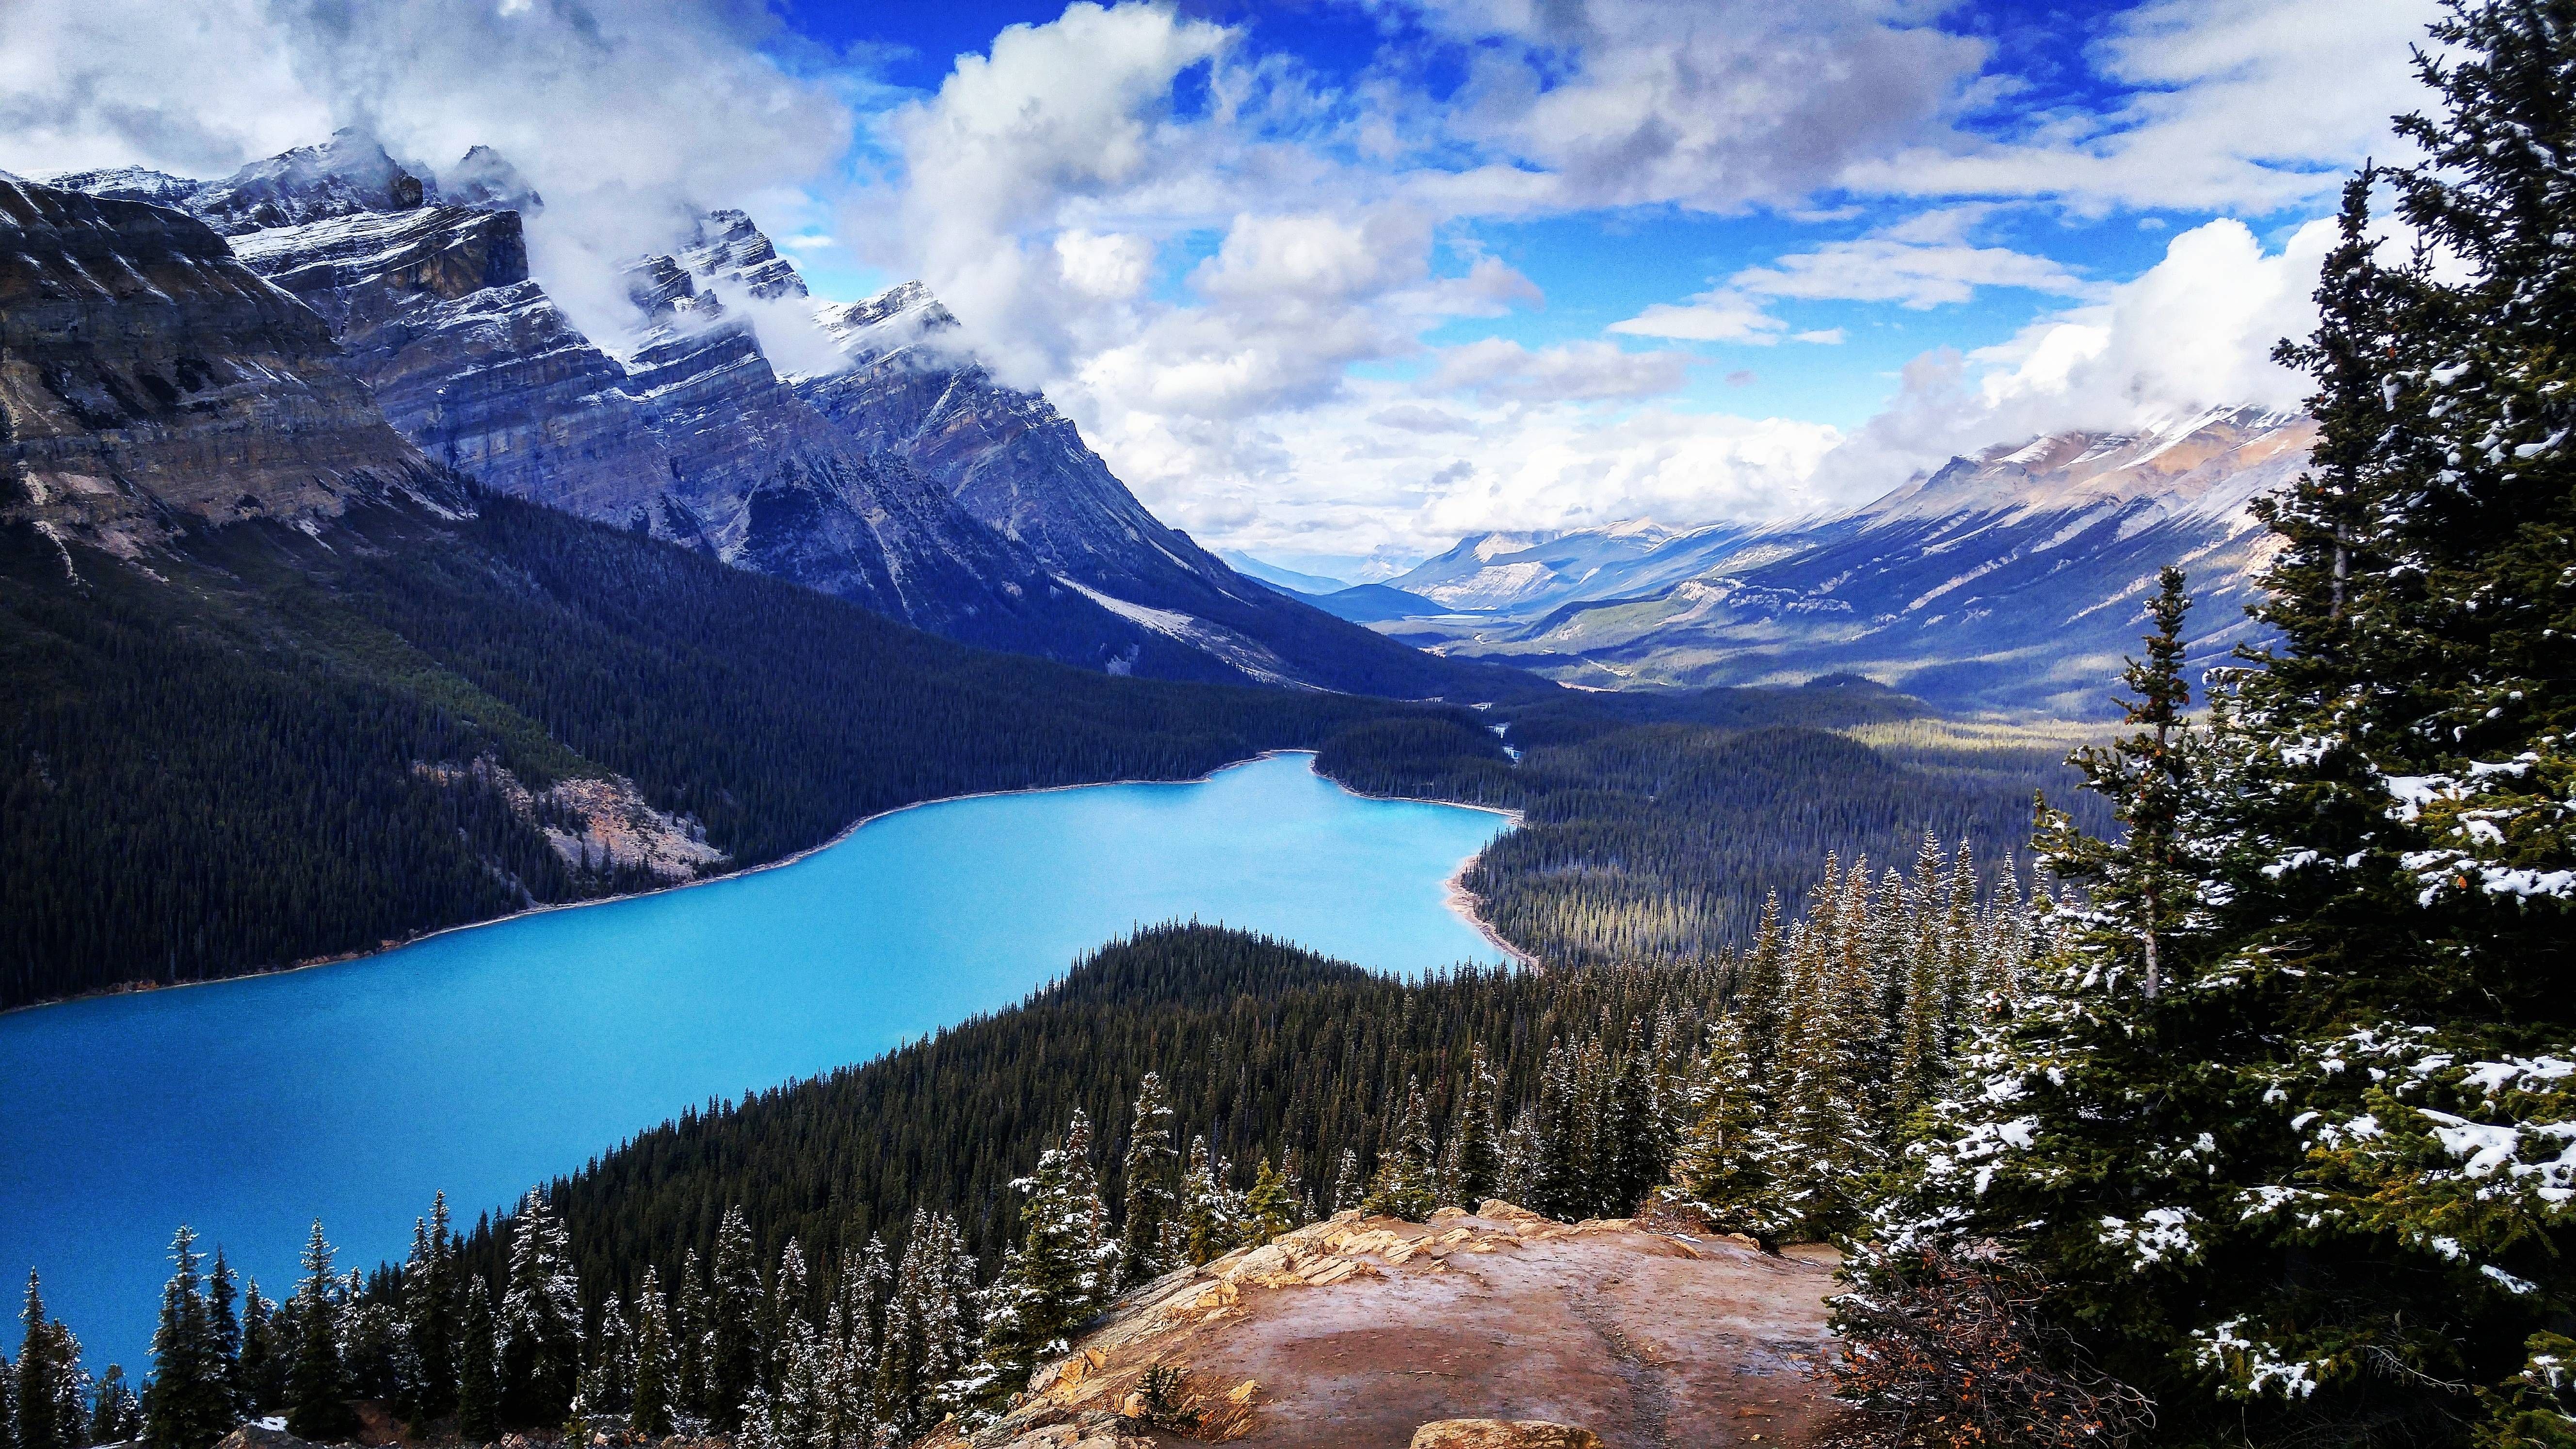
<point>2247,105</point>
<point>1574,372</point>
<point>2194,331</point>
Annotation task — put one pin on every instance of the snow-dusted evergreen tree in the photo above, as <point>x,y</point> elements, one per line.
<point>1146,1174</point>
<point>1053,1278</point>
<point>1270,1207</point>
<point>1346,1181</point>
<point>317,1383</point>
<point>117,1413</point>
<point>224,1331</point>
<point>1404,1185</point>
<point>1475,1156</point>
<point>784,1317</point>
<point>650,1405</point>
<point>1728,1168</point>
<point>927,1341</point>
<point>608,1379</point>
<point>735,1307</point>
<point>478,1385</point>
<point>1211,1213</point>
<point>692,1341</point>
<point>539,1329</point>
<point>50,1389</point>
<point>190,1404</point>
<point>430,1306</point>
<point>261,1374</point>
<point>1634,1148</point>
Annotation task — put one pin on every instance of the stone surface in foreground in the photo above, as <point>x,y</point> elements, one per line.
<point>1367,1332</point>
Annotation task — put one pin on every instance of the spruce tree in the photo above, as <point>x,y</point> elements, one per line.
<point>692,1335</point>
<point>539,1327</point>
<point>1270,1208</point>
<point>1478,1133</point>
<point>1051,1280</point>
<point>478,1387</point>
<point>317,1382</point>
<point>1727,1168</point>
<point>118,1416</point>
<point>1146,1176</point>
<point>1403,1185</point>
<point>608,1380</point>
<point>40,1373</point>
<point>1210,1216</point>
<point>734,1308</point>
<point>1346,1181</point>
<point>430,1311</point>
<point>649,1413</point>
<point>224,1327</point>
<point>263,1367</point>
<point>190,1405</point>
<point>1632,1157</point>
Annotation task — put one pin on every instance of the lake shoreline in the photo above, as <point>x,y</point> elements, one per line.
<point>1460,901</point>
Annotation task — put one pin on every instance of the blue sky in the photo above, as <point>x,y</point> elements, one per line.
<point>1339,278</point>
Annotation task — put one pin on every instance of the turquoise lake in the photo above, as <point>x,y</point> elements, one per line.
<point>485,1060</point>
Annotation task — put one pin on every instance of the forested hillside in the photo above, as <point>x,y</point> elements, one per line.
<point>1655,824</point>
<point>266,747</point>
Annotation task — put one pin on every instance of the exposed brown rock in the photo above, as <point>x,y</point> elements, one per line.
<point>1361,1331</point>
<point>1503,1434</point>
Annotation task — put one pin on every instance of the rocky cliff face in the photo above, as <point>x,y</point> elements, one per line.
<point>691,435</point>
<point>151,383</point>
<point>910,482</point>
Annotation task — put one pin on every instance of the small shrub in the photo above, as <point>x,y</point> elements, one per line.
<point>1949,1349</point>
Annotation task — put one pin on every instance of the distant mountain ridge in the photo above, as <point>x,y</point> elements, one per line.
<point>908,482</point>
<point>2011,578</point>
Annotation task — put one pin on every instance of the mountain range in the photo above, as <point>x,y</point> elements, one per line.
<point>907,480</point>
<point>2013,578</point>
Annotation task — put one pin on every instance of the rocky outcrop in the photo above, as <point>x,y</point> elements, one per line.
<point>1503,1434</point>
<point>149,382</point>
<point>1370,1332</point>
<point>599,826</point>
<point>726,248</point>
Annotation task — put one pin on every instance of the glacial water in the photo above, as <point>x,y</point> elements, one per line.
<point>484,1060</point>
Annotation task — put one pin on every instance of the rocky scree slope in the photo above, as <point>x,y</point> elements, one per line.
<point>2015,578</point>
<point>917,489</point>
<point>1367,1332</point>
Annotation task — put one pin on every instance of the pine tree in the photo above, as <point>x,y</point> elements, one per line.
<point>1633,1156</point>
<point>925,1343</point>
<point>539,1329</point>
<point>41,1371</point>
<point>263,1365</point>
<point>1052,1278</point>
<point>692,1340</point>
<point>608,1380</point>
<point>735,1302</point>
<point>1210,1216</point>
<point>190,1404</point>
<point>788,1290</point>
<point>1477,1134</point>
<point>224,1330</point>
<point>649,1409</point>
<point>429,1313</point>
<point>1760,988</point>
<point>1270,1208</point>
<point>118,1416</point>
<point>478,1387</point>
<point>1403,1187</point>
<point>1727,1168</point>
<point>317,1383</point>
<point>1346,1181</point>
<point>1146,1174</point>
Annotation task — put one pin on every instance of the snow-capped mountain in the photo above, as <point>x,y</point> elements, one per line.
<point>908,482</point>
<point>1517,572</point>
<point>2015,577</point>
<point>151,385</point>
